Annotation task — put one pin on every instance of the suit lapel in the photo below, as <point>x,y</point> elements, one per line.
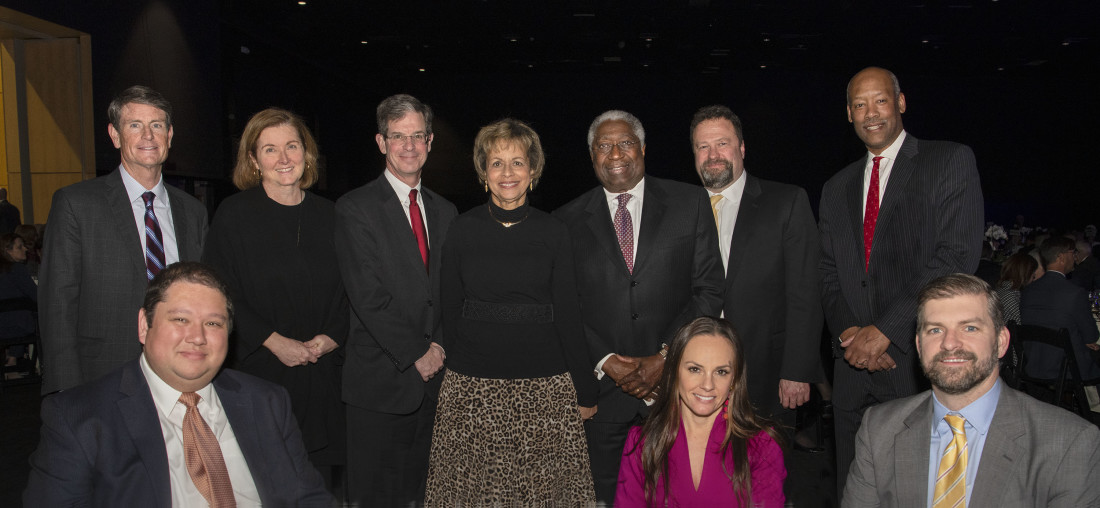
<point>393,213</point>
<point>911,456</point>
<point>242,418</point>
<point>599,222</point>
<point>139,415</point>
<point>653,210</point>
<point>1000,453</point>
<point>121,214</point>
<point>742,228</point>
<point>899,180</point>
<point>854,199</point>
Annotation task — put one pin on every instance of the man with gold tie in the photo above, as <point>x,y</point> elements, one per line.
<point>167,429</point>
<point>970,440</point>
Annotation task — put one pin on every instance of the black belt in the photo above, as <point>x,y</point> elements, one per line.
<point>508,312</point>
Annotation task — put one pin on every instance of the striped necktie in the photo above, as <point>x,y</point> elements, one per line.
<point>154,244</point>
<point>950,489</point>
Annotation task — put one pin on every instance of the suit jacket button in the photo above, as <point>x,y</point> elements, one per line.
<point>429,303</point>
<point>633,283</point>
<point>634,316</point>
<point>863,283</point>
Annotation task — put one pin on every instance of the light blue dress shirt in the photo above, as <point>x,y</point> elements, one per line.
<point>978,415</point>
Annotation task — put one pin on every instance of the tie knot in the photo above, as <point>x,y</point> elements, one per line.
<point>148,198</point>
<point>190,399</point>
<point>412,195</point>
<point>715,199</point>
<point>956,422</point>
<point>624,198</point>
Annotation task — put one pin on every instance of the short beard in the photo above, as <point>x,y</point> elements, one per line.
<point>964,381</point>
<point>717,180</point>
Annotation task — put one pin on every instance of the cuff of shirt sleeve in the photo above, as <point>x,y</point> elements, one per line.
<point>599,367</point>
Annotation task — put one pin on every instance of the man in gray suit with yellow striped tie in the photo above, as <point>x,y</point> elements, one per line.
<point>970,440</point>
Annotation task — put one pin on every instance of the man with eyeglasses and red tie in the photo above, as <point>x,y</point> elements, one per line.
<point>388,236</point>
<point>647,262</point>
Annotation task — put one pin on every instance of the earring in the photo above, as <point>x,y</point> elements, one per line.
<point>486,186</point>
<point>532,186</point>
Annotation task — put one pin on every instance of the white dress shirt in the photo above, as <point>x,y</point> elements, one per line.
<point>402,189</point>
<point>727,209</point>
<point>162,207</point>
<point>889,155</point>
<point>171,411</point>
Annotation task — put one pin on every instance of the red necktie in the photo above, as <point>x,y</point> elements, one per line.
<point>870,214</point>
<point>203,456</point>
<point>418,227</point>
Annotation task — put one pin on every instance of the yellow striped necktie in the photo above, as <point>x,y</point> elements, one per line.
<point>714,209</point>
<point>951,478</point>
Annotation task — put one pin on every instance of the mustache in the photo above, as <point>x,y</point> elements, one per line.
<point>961,355</point>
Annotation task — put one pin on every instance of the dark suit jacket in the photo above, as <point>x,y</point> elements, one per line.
<point>1087,274</point>
<point>394,302</point>
<point>772,288</point>
<point>677,277</point>
<point>9,217</point>
<point>1035,455</point>
<point>102,445</point>
<point>1054,302</point>
<point>930,224</point>
<point>93,279</point>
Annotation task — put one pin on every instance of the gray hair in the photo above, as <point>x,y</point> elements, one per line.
<point>395,107</point>
<point>615,114</point>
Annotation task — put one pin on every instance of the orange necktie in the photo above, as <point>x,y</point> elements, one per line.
<point>203,457</point>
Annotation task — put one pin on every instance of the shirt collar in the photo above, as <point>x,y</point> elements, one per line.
<point>164,396</point>
<point>979,414</point>
<point>891,152</point>
<point>637,192</point>
<point>134,190</point>
<point>401,188</point>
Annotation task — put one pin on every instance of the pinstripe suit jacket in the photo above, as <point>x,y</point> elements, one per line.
<point>1034,455</point>
<point>929,224</point>
<point>92,280</point>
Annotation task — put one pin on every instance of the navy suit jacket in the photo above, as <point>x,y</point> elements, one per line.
<point>395,314</point>
<point>92,277</point>
<point>1054,302</point>
<point>677,277</point>
<point>102,445</point>
<point>772,291</point>
<point>930,223</point>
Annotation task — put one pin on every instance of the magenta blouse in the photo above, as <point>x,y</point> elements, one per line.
<point>765,466</point>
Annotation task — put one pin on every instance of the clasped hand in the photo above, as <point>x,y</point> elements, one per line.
<point>865,348</point>
<point>636,376</point>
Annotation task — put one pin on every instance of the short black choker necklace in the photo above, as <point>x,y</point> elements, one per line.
<point>507,224</point>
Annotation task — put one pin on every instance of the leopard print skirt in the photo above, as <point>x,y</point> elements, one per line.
<point>508,442</point>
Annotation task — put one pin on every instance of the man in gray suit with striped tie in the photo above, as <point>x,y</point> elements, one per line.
<point>107,238</point>
<point>970,440</point>
<point>890,222</point>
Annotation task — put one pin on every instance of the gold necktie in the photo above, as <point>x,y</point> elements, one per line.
<point>714,209</point>
<point>951,478</point>
<point>203,457</point>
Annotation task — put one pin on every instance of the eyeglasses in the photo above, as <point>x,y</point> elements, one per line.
<point>417,139</point>
<point>624,146</point>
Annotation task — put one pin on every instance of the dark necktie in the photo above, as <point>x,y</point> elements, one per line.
<point>624,229</point>
<point>154,244</point>
<point>418,227</point>
<point>870,214</point>
<point>203,456</point>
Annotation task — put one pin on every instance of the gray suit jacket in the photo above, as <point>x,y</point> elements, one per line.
<point>102,444</point>
<point>1035,454</point>
<point>930,224</point>
<point>772,292</point>
<point>677,277</point>
<point>395,311</point>
<point>92,280</point>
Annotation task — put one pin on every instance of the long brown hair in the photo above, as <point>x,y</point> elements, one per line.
<point>663,424</point>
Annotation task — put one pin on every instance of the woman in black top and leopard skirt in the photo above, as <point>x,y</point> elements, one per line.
<point>519,382</point>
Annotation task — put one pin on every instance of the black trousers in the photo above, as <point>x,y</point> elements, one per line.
<point>605,453</point>
<point>388,456</point>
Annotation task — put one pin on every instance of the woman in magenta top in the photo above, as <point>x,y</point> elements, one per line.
<point>702,445</point>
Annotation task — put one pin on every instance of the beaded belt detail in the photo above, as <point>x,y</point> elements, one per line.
<point>508,312</point>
